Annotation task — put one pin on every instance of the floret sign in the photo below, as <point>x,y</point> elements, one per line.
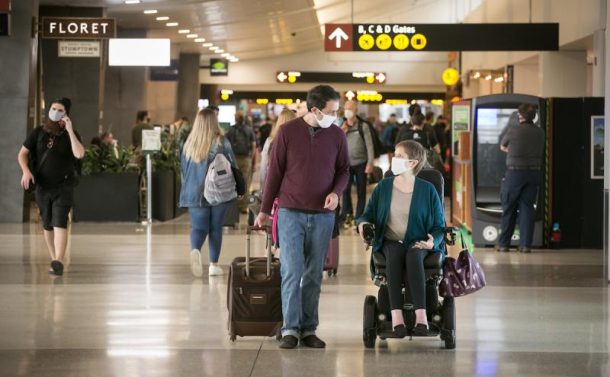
<point>78,28</point>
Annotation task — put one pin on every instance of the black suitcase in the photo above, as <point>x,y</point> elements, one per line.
<point>254,297</point>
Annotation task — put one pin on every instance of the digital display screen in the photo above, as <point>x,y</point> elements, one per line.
<point>492,125</point>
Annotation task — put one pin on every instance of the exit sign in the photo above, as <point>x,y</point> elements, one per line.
<point>5,24</point>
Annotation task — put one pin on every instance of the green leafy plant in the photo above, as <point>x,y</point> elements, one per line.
<point>104,160</point>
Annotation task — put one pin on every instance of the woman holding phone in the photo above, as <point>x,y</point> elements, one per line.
<point>48,159</point>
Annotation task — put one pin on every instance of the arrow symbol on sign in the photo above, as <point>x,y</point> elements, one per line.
<point>380,77</point>
<point>282,76</point>
<point>350,95</point>
<point>338,34</point>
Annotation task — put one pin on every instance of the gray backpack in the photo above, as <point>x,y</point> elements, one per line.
<point>219,185</point>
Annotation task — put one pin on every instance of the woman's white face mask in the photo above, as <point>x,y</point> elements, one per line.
<point>401,165</point>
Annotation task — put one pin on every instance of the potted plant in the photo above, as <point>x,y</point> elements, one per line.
<point>109,185</point>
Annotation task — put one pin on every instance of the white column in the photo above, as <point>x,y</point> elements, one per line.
<point>563,74</point>
<point>606,148</point>
<point>598,60</point>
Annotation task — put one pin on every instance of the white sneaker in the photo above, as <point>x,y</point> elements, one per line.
<point>214,270</point>
<point>196,263</point>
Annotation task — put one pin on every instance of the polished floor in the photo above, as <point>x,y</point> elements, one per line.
<point>128,306</point>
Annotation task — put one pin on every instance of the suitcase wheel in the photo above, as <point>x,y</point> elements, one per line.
<point>332,272</point>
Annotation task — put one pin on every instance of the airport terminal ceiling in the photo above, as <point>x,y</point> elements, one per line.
<point>255,29</point>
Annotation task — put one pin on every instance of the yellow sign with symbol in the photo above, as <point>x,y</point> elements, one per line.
<point>401,41</point>
<point>384,41</point>
<point>418,41</point>
<point>366,42</point>
<point>451,76</point>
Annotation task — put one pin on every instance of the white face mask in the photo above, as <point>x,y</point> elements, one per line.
<point>349,114</point>
<point>55,115</point>
<point>400,165</point>
<point>326,121</point>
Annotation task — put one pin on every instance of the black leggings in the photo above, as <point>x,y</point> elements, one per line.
<point>397,256</point>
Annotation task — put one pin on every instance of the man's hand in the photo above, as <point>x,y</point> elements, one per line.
<point>368,169</point>
<point>67,124</point>
<point>332,201</point>
<point>261,220</point>
<point>425,245</point>
<point>26,178</point>
<point>504,148</point>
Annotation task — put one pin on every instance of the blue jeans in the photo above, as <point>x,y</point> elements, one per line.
<point>304,238</point>
<point>357,176</point>
<point>518,192</point>
<point>208,221</point>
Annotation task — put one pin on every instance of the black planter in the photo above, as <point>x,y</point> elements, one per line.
<point>107,197</point>
<point>163,195</point>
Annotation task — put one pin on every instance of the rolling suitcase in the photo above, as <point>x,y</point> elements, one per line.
<point>331,265</point>
<point>254,296</point>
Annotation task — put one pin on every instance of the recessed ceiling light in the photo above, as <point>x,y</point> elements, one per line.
<point>171,24</point>
<point>184,31</point>
<point>226,55</point>
<point>132,1</point>
<point>220,51</point>
<point>208,44</point>
<point>162,18</point>
<point>199,40</point>
<point>192,36</point>
<point>234,60</point>
<point>213,48</point>
<point>150,11</point>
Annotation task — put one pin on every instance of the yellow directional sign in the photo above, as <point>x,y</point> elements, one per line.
<point>401,41</point>
<point>418,41</point>
<point>366,42</point>
<point>384,41</point>
<point>451,76</point>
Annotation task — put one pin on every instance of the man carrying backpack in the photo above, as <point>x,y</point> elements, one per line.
<point>361,150</point>
<point>243,142</point>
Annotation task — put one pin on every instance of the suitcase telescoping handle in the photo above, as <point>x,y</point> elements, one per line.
<point>267,230</point>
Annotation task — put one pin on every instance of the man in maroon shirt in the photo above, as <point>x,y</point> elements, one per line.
<point>308,170</point>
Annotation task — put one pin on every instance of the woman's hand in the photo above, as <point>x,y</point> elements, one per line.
<point>425,245</point>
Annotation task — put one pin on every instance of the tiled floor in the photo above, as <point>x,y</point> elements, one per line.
<point>128,306</point>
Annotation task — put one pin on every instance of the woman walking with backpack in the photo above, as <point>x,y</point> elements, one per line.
<point>206,191</point>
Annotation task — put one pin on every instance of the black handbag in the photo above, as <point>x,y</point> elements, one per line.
<point>240,183</point>
<point>35,168</point>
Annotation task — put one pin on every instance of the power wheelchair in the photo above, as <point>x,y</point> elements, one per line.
<point>377,321</point>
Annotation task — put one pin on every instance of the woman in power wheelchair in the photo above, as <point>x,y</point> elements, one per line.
<point>404,219</point>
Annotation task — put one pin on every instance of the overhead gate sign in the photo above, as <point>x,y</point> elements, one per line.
<point>441,37</point>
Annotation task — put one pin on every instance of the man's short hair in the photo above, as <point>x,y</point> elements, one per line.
<point>414,108</point>
<point>429,115</point>
<point>318,96</point>
<point>417,119</point>
<point>393,115</point>
<point>528,111</point>
<point>141,115</point>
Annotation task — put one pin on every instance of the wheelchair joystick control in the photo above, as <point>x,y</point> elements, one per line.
<point>368,233</point>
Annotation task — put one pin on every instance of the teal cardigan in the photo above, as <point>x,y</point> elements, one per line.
<point>426,214</point>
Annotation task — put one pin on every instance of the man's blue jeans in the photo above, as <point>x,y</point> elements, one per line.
<point>304,239</point>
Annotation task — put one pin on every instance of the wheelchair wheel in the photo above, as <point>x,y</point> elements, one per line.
<point>369,330</point>
<point>450,342</point>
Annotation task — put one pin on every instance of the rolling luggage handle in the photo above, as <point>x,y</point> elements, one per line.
<point>267,230</point>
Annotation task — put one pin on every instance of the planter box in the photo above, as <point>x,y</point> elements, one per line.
<point>107,197</point>
<point>163,195</point>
